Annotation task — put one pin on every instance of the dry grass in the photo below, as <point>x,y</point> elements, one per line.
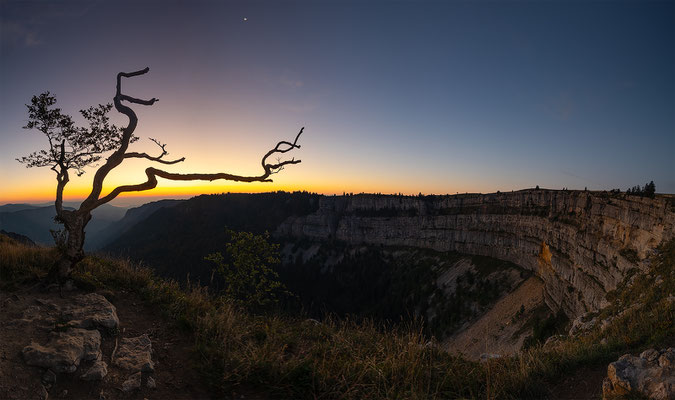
<point>296,357</point>
<point>293,357</point>
<point>20,264</point>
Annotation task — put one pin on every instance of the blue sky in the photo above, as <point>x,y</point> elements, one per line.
<point>397,96</point>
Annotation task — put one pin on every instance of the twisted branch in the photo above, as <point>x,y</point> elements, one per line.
<point>116,158</point>
<point>153,173</point>
<point>158,158</point>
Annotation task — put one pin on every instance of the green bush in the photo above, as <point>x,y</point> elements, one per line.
<point>247,270</point>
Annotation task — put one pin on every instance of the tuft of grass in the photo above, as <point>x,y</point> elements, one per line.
<point>21,264</point>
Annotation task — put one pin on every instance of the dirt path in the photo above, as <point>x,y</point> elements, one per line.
<point>174,366</point>
<point>495,332</point>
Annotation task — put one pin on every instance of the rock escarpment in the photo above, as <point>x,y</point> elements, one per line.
<point>581,244</point>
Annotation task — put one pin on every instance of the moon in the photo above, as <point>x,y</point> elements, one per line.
<point>245,19</point>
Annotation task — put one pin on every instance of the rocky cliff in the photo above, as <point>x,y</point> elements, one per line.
<point>581,244</point>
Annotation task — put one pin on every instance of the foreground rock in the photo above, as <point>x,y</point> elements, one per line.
<point>65,350</point>
<point>41,316</point>
<point>135,354</point>
<point>652,374</point>
<point>582,323</point>
<point>96,372</point>
<point>175,378</point>
<point>91,311</point>
<point>132,383</point>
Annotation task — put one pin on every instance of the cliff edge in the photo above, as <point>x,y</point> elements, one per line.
<point>581,244</point>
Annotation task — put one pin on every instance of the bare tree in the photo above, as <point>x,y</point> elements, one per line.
<point>73,148</point>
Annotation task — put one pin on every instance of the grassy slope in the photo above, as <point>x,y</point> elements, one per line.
<point>289,356</point>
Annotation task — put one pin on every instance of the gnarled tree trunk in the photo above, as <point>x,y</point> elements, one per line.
<point>72,247</point>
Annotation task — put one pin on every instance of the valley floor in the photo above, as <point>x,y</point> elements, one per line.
<point>501,330</point>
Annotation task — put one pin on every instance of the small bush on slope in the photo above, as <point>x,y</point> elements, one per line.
<point>248,273</point>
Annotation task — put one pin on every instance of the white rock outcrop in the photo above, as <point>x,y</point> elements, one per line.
<point>652,374</point>
<point>65,350</point>
<point>91,311</point>
<point>135,354</point>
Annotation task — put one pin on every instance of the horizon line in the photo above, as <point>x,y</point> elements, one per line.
<point>159,197</point>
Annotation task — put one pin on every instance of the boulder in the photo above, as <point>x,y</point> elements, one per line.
<point>65,350</point>
<point>49,377</point>
<point>96,372</point>
<point>582,324</point>
<point>553,341</point>
<point>34,315</point>
<point>650,355</point>
<point>667,358</point>
<point>135,354</point>
<point>652,374</point>
<point>43,393</point>
<point>132,383</point>
<point>91,311</point>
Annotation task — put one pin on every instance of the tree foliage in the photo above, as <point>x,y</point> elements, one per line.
<point>247,269</point>
<point>648,190</point>
<point>70,146</point>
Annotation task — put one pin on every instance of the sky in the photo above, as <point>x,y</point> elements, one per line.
<point>395,96</point>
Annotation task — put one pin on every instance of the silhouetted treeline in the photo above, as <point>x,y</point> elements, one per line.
<point>648,190</point>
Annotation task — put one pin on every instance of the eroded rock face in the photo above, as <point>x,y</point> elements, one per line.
<point>65,350</point>
<point>135,354</point>
<point>580,243</point>
<point>652,374</point>
<point>91,311</point>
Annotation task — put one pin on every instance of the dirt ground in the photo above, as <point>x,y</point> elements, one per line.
<point>584,384</point>
<point>174,374</point>
<point>493,333</point>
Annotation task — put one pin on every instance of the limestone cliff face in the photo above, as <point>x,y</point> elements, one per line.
<point>580,243</point>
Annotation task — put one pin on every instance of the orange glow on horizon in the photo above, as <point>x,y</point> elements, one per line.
<point>76,193</point>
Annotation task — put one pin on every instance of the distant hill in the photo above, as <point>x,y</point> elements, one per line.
<point>106,212</point>
<point>175,239</point>
<point>17,207</point>
<point>19,238</point>
<point>36,221</point>
<point>132,216</point>
<point>32,222</point>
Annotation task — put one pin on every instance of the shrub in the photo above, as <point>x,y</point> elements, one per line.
<point>247,271</point>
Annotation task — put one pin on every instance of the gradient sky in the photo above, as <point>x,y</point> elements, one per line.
<point>396,96</point>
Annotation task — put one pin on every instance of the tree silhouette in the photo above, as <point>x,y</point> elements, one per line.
<point>650,189</point>
<point>74,148</point>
